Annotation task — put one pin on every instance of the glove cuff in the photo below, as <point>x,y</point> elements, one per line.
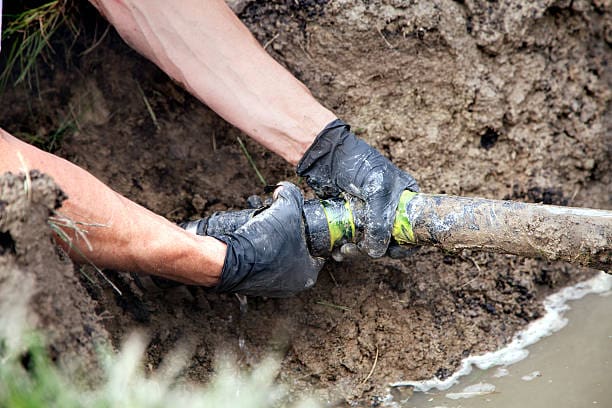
<point>234,264</point>
<point>317,165</point>
<point>322,145</point>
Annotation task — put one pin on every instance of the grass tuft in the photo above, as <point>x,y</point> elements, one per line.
<point>51,142</point>
<point>28,378</point>
<point>30,33</point>
<point>58,222</point>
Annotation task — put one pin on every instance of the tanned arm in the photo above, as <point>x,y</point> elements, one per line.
<point>206,48</point>
<point>130,237</point>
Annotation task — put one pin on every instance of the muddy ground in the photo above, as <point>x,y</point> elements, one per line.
<point>39,287</point>
<point>494,99</point>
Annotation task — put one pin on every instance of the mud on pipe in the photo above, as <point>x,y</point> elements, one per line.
<point>577,235</point>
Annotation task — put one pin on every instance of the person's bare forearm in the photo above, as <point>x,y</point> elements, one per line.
<point>204,46</point>
<point>128,236</point>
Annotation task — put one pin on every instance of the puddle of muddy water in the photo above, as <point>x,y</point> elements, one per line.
<point>570,368</point>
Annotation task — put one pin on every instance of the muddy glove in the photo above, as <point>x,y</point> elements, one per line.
<point>268,255</point>
<point>338,161</point>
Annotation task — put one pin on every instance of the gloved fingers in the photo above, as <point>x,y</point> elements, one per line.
<point>411,183</point>
<point>380,210</point>
<point>317,263</point>
<point>375,242</point>
<point>337,255</point>
<point>350,250</point>
<point>283,211</point>
<point>347,251</point>
<point>403,179</point>
<point>254,202</point>
<point>287,202</point>
<point>288,191</point>
<point>380,214</point>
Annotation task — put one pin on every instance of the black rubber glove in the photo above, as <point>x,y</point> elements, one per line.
<point>338,161</point>
<point>268,255</point>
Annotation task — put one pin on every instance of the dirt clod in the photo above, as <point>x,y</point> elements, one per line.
<point>38,288</point>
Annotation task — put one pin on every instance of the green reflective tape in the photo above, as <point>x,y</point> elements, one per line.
<point>402,229</point>
<point>340,222</point>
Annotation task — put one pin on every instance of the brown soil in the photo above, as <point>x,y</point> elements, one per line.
<point>39,289</point>
<point>492,99</point>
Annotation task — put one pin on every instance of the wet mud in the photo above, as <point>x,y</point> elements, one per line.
<point>473,98</point>
<point>569,367</point>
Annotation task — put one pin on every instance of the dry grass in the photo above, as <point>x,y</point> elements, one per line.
<point>148,106</point>
<point>51,142</point>
<point>38,382</point>
<point>66,228</point>
<point>30,33</point>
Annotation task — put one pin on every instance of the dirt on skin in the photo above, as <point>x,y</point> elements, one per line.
<point>493,99</point>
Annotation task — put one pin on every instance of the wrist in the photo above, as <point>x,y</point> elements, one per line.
<point>178,255</point>
<point>288,131</point>
<point>303,131</point>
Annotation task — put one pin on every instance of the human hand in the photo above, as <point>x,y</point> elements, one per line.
<point>268,256</point>
<point>338,161</point>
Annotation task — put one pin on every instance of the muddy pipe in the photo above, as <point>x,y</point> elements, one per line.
<point>576,235</point>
